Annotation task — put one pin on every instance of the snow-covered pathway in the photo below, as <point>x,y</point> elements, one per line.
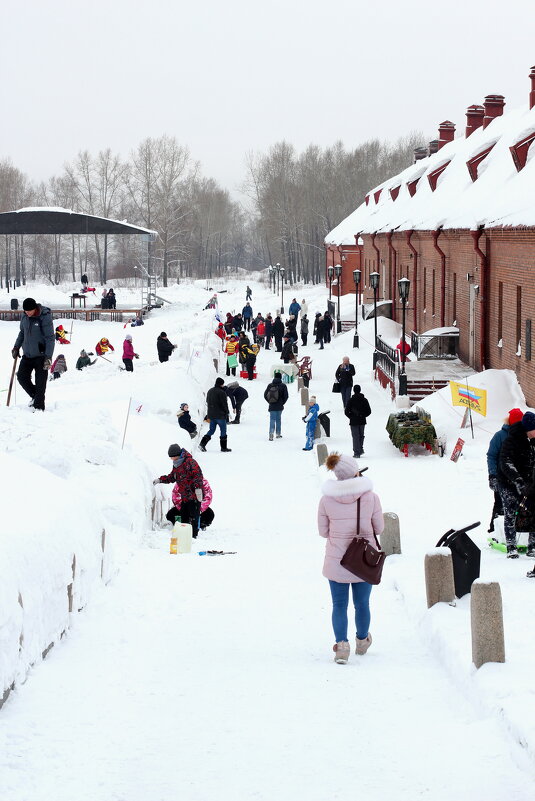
<point>199,677</point>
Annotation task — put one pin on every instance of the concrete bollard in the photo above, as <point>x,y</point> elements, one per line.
<point>390,538</point>
<point>322,453</point>
<point>486,611</point>
<point>304,397</point>
<point>300,383</point>
<point>439,584</point>
<point>317,430</point>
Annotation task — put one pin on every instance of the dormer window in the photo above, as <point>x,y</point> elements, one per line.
<point>367,199</point>
<point>519,152</point>
<point>473,163</point>
<point>411,186</point>
<point>377,195</point>
<point>394,192</point>
<point>435,175</point>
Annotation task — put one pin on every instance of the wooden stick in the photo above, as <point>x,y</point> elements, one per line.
<point>126,421</point>
<point>12,379</point>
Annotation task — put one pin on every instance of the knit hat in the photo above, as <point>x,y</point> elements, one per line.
<point>342,466</point>
<point>163,334</point>
<point>182,405</point>
<point>174,450</point>
<point>219,381</point>
<point>312,399</point>
<point>129,337</point>
<point>356,388</point>
<point>528,421</point>
<point>515,416</point>
<point>29,304</point>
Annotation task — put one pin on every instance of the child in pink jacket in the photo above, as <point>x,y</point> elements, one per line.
<point>128,354</point>
<point>337,522</point>
<point>206,514</point>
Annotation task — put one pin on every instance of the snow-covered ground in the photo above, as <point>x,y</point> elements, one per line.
<point>200,677</point>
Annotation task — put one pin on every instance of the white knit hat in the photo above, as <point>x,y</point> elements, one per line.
<point>342,466</point>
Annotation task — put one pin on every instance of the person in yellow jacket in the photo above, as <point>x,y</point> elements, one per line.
<point>231,349</point>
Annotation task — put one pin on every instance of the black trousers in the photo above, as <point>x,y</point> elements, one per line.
<point>189,513</point>
<point>268,341</point>
<point>246,323</point>
<point>304,338</point>
<point>249,366</point>
<point>128,365</point>
<point>278,343</point>
<point>24,377</point>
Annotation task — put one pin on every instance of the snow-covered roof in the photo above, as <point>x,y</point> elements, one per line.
<point>54,219</point>
<point>501,196</point>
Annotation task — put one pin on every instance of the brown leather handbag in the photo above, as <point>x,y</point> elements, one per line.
<point>362,559</point>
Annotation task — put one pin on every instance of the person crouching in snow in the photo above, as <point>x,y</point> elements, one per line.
<point>61,336</point>
<point>185,421</point>
<point>103,346</point>
<point>207,515</point>
<point>311,420</point>
<point>188,477</point>
<point>84,360</point>
<point>348,504</point>
<point>58,367</point>
<point>128,354</point>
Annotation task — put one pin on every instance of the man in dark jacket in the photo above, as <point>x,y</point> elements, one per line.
<point>165,348</point>
<point>327,326</point>
<point>515,479</point>
<point>278,333</point>
<point>37,339</point>
<point>357,409</point>
<point>287,354</point>
<point>247,314</point>
<point>188,476</point>
<point>320,330</point>
<point>344,375</point>
<point>238,395</point>
<point>276,394</point>
<point>304,329</point>
<point>237,322</point>
<point>269,330</point>
<point>217,403</point>
<point>493,455</point>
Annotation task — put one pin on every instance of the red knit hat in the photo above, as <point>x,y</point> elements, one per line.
<point>515,416</point>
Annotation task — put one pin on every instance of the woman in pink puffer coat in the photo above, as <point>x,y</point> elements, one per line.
<point>337,522</point>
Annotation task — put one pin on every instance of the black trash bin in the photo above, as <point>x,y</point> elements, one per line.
<point>325,422</point>
<point>14,304</point>
<point>466,557</point>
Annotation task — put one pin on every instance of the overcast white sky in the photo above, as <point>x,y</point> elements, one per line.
<point>237,75</point>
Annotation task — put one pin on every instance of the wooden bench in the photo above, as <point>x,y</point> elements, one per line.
<point>78,297</point>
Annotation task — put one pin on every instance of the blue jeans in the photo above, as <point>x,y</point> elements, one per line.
<point>275,422</point>
<point>345,392</point>
<point>361,601</point>
<point>222,423</point>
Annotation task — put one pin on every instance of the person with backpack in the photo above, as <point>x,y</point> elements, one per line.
<point>217,413</point>
<point>276,395</point>
<point>357,409</point>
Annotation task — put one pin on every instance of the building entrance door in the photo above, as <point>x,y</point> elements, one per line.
<point>474,291</point>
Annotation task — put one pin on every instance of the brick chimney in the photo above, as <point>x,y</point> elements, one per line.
<point>446,132</point>
<point>420,153</point>
<point>474,119</point>
<point>433,146</point>
<point>532,93</point>
<point>493,108</point>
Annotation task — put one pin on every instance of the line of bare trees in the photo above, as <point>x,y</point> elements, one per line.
<point>294,200</point>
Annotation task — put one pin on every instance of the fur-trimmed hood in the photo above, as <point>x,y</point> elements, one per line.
<point>347,491</point>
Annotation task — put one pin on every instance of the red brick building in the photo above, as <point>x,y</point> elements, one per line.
<point>460,224</point>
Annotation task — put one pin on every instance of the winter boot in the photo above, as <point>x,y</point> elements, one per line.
<point>512,551</point>
<point>223,441</point>
<point>271,437</point>
<point>341,652</point>
<point>363,645</point>
<point>204,442</point>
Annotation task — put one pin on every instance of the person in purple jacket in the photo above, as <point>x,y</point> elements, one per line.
<point>337,522</point>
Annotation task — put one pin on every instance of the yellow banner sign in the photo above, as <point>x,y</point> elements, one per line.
<point>469,397</point>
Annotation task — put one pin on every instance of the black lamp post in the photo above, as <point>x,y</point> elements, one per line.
<point>330,274</point>
<point>404,286</point>
<point>356,278</point>
<point>282,287</point>
<point>271,278</point>
<point>374,283</point>
<point>338,271</point>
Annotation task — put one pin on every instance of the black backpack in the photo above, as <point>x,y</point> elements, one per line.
<point>272,395</point>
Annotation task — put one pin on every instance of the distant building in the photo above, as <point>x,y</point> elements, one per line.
<point>460,224</point>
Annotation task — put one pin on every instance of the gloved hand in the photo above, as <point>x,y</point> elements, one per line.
<point>304,419</point>
<point>493,483</point>
<point>156,481</point>
<point>47,364</point>
<point>198,494</point>
<point>15,353</point>
<point>136,355</point>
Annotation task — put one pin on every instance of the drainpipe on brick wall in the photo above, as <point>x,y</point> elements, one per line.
<point>408,235</point>
<point>476,236</point>
<point>442,255</point>
<point>393,273</point>
<point>374,246</point>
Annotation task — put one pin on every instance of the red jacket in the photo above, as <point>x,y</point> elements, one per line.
<point>188,477</point>
<point>261,328</point>
<point>220,331</point>
<point>103,347</point>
